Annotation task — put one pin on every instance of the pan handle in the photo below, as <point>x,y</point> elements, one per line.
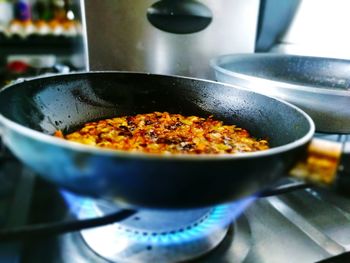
<point>284,188</point>
<point>342,182</point>
<point>326,164</point>
<point>45,230</point>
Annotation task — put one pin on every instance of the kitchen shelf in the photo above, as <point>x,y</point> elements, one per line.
<point>58,45</point>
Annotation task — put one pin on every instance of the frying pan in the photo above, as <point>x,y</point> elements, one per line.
<point>32,110</point>
<point>320,86</point>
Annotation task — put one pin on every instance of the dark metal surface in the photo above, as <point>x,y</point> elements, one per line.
<point>33,110</point>
<point>344,257</point>
<point>319,86</point>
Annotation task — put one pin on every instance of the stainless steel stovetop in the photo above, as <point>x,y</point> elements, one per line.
<point>302,226</point>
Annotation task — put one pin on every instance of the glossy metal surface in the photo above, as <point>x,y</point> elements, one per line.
<point>120,37</point>
<point>32,110</point>
<point>319,86</point>
<point>299,227</point>
<point>153,236</point>
<point>161,236</point>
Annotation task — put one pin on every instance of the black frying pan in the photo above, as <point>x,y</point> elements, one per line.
<point>32,110</point>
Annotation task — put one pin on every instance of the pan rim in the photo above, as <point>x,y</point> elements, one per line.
<point>47,138</point>
<point>216,64</point>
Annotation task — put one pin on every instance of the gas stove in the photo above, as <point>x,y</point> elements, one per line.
<point>306,225</point>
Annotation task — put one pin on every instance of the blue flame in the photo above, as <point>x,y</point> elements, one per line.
<point>219,216</point>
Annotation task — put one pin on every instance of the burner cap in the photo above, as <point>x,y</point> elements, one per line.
<point>159,236</point>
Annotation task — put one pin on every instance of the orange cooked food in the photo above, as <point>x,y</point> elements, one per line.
<point>162,132</point>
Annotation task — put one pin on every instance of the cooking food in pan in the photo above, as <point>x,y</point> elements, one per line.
<point>32,110</point>
<point>162,132</point>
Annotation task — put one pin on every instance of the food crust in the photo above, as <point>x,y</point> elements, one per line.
<point>165,133</point>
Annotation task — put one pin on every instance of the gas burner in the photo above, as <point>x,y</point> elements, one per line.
<point>157,236</point>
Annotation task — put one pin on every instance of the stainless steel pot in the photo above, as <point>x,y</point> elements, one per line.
<point>167,37</point>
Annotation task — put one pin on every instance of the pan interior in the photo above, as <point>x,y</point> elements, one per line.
<point>316,72</point>
<point>66,102</point>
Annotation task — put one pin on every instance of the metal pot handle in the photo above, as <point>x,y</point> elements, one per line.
<point>179,17</point>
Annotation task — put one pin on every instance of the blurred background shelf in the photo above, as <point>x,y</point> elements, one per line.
<point>58,45</point>
<point>33,55</point>
<point>38,37</point>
